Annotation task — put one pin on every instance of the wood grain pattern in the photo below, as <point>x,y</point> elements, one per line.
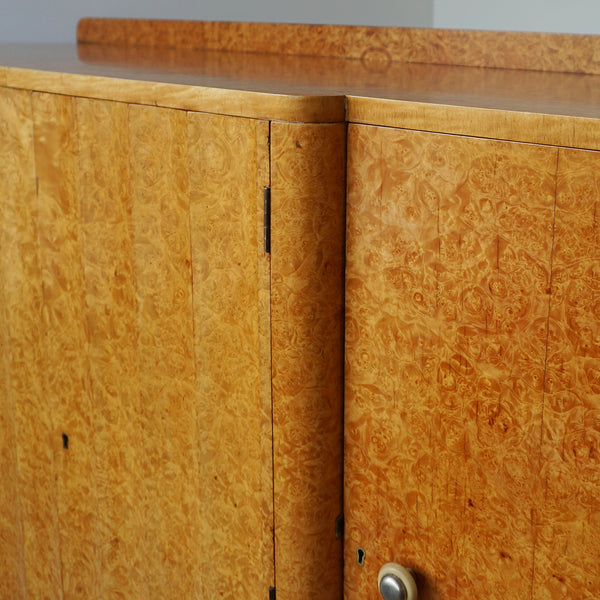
<point>12,570</point>
<point>512,50</point>
<point>112,332</point>
<point>158,175</point>
<point>66,366</point>
<point>565,123</point>
<point>497,103</point>
<point>228,167</point>
<point>15,173</point>
<point>568,509</point>
<point>22,318</point>
<point>136,303</point>
<point>163,394</point>
<point>535,107</point>
<point>513,125</point>
<point>308,163</point>
<point>492,88</point>
<point>448,271</point>
<point>171,90</point>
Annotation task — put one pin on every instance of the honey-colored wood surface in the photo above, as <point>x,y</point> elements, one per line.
<point>321,71</point>
<point>15,158</point>
<point>448,364</point>
<point>113,334</point>
<point>234,410</point>
<point>519,105</point>
<point>532,51</point>
<point>568,511</point>
<point>67,381</point>
<point>135,436</point>
<point>58,69</point>
<point>508,89</point>
<point>308,167</point>
<point>30,551</point>
<point>513,125</point>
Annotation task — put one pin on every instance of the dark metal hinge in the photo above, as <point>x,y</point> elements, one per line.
<point>272,593</point>
<point>340,523</point>
<point>267,219</point>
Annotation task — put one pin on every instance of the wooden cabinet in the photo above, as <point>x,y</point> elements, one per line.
<point>134,336</point>
<point>471,345</point>
<point>173,204</point>
<point>165,380</point>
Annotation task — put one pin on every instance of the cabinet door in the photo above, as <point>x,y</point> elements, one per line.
<point>136,407</point>
<point>449,268</point>
<point>229,168</point>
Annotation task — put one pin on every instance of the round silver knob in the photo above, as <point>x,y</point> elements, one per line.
<point>396,583</point>
<point>392,588</point>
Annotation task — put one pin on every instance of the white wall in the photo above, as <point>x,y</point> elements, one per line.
<point>561,16</point>
<point>55,20</point>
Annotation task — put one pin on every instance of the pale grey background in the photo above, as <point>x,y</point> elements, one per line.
<point>562,16</point>
<point>55,20</point>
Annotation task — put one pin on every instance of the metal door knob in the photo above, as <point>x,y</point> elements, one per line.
<point>396,583</point>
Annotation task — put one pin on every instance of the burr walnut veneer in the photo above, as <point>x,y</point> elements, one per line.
<point>173,393</point>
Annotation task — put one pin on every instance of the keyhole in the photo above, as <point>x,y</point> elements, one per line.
<point>360,557</point>
<point>65,440</point>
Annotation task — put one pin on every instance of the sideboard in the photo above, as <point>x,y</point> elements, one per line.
<point>282,303</point>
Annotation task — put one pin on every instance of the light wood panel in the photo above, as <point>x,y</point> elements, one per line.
<point>449,246</point>
<point>568,511</point>
<point>55,70</point>
<point>532,51</point>
<point>200,496</point>
<point>136,437</point>
<point>112,331</point>
<point>22,324</point>
<point>496,103</point>
<point>537,107</point>
<point>15,170</point>
<point>452,116</point>
<point>66,371</point>
<point>159,172</point>
<point>307,223</point>
<point>526,91</point>
<point>228,170</point>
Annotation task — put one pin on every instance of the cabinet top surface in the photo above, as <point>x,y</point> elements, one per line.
<point>536,106</point>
